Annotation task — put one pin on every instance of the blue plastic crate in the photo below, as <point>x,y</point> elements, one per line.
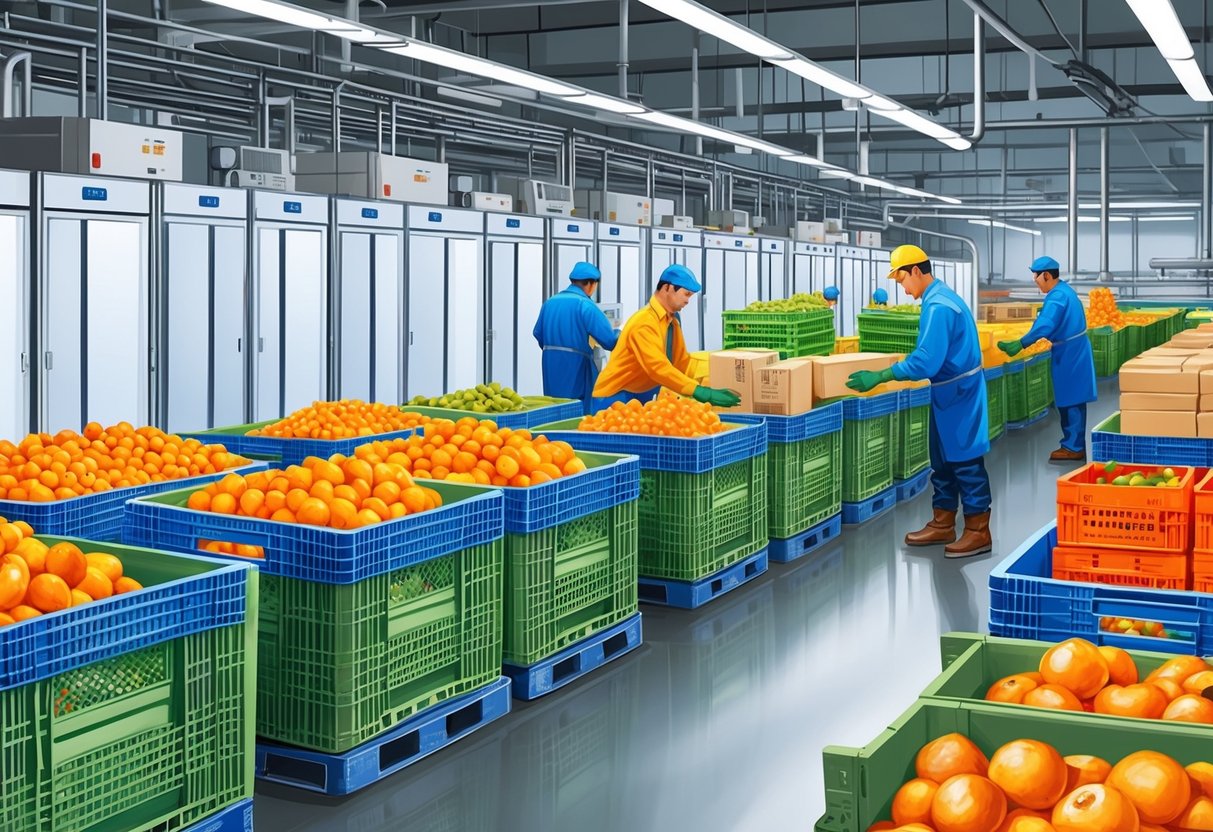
<point>289,451</point>
<point>855,513</point>
<point>669,453</point>
<point>235,818</point>
<point>691,595</point>
<point>577,660</point>
<point>1108,443</point>
<point>469,516</point>
<point>1026,602</point>
<point>549,504</point>
<point>99,516</point>
<point>1013,367</point>
<point>783,430</point>
<point>45,646</point>
<point>869,407</point>
<point>913,397</point>
<point>560,410</point>
<point>910,488</point>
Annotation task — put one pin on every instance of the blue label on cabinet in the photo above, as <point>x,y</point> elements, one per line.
<point>737,244</point>
<point>513,223</point>
<point>435,216</point>
<point>677,238</point>
<point>94,194</point>
<point>573,229</point>
<point>208,202</point>
<point>370,213</point>
<point>292,207</point>
<point>614,232</point>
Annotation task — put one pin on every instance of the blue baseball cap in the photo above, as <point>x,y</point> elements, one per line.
<point>880,296</point>
<point>680,276</point>
<point>830,293</point>
<point>1044,264</point>
<point>585,271</point>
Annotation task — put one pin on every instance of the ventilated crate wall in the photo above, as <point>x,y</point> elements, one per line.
<point>868,428</point>
<point>1037,385</point>
<point>996,401</point>
<point>892,332</point>
<point>791,333</point>
<point>804,483</point>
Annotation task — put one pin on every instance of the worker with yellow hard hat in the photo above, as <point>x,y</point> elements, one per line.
<point>651,352</point>
<point>949,354</point>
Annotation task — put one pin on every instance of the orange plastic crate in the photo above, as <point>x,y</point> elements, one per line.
<point>1202,516</point>
<point>1202,571</point>
<point>1124,517</point>
<point>1121,567</point>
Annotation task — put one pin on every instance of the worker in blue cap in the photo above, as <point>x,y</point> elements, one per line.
<point>880,298</point>
<point>1063,321</point>
<point>831,295</point>
<point>949,354</point>
<point>652,352</point>
<point>567,322</point>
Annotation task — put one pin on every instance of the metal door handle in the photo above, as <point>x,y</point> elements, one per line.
<point>410,338</point>
<point>25,362</point>
<point>239,345</point>
<point>49,360</point>
<point>260,344</point>
<point>151,359</point>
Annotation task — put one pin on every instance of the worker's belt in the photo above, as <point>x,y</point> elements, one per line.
<point>1082,334</point>
<point>569,349</point>
<point>972,372</point>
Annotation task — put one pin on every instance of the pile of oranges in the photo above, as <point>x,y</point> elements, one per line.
<point>345,419</point>
<point>1078,676</point>
<point>1027,786</point>
<point>43,468</point>
<point>476,452</point>
<point>1102,309</point>
<point>339,493</point>
<point>36,578</point>
<point>667,415</point>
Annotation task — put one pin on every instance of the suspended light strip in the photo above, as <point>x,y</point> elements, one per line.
<point>463,62</point>
<point>1035,232</point>
<point>1160,21</point>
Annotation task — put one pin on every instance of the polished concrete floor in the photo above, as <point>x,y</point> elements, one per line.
<point>717,722</point>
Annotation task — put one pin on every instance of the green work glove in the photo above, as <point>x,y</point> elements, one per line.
<point>1011,348</point>
<point>865,380</point>
<point>716,398</point>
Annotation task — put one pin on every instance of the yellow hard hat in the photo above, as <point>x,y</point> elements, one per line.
<point>905,256</point>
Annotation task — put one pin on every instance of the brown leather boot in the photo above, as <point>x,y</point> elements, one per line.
<point>975,540</point>
<point>940,529</point>
<point>1064,456</point>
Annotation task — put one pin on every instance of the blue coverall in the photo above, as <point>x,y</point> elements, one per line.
<point>1063,322</point>
<point>949,354</point>
<point>567,321</point>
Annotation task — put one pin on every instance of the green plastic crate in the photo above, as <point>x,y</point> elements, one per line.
<point>153,739</point>
<point>1036,377</point>
<point>996,405</point>
<point>867,456</point>
<point>911,449</point>
<point>891,332</point>
<point>1105,349</point>
<point>1134,338</point>
<point>1017,394</point>
<point>693,525</point>
<point>791,333</point>
<point>341,663</point>
<point>804,483</point>
<point>568,582</point>
<point>860,782</point>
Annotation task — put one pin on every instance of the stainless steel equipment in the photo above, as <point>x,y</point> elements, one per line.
<point>445,305</point>
<point>855,282</point>
<point>203,306</point>
<point>570,242</point>
<point>726,220</point>
<point>369,175</point>
<point>730,281</point>
<point>514,258</point>
<point>685,248</point>
<point>619,259</point>
<point>482,201</point>
<point>773,268</point>
<point>262,167</point>
<point>94,307</point>
<point>15,288</point>
<point>290,302</point>
<point>812,267</point>
<point>91,146</point>
<point>532,196</point>
<point>629,209</point>
<point>368,293</point>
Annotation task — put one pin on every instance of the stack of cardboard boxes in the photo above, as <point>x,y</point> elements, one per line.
<point>771,387</point>
<point>1168,390</point>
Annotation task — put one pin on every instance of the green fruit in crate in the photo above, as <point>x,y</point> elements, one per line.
<point>483,398</point>
<point>799,302</point>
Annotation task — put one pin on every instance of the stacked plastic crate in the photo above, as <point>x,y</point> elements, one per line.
<point>867,457</point>
<point>809,332</point>
<point>911,442</point>
<point>996,400</point>
<point>892,332</point>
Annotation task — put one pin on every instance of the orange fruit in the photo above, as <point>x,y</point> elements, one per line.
<point>223,503</point>
<point>6,619</point>
<point>1170,688</point>
<point>23,612</point>
<point>881,826</point>
<point>80,597</point>
<point>68,562</point>
<point>1083,769</point>
<point>1031,773</point>
<point>1198,682</point>
<point>1197,816</point>
<point>1011,689</point>
<point>1190,707</point>
<point>948,756</point>
<point>1155,784</point>
<point>48,593</point>
<point>109,565</point>
<point>1095,808</point>
<point>1025,820</point>
<point>96,584</point>
<point>366,517</point>
<point>1202,776</point>
<point>125,584</point>
<point>1141,701</point>
<point>34,551</point>
<point>1122,670</point>
<point>10,537</point>
<point>1077,665</point>
<point>1055,697</point>
<point>341,513</point>
<point>14,582</point>
<point>968,803</point>
<point>912,803</point>
<point>1179,669</point>
<point>313,512</point>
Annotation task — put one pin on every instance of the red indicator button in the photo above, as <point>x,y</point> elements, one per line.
<point>96,160</point>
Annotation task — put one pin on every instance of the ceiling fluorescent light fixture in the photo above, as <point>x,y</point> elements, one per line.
<point>924,125</point>
<point>1160,21</point>
<point>1080,219</point>
<point>685,125</point>
<point>606,103</point>
<point>721,28</point>
<point>295,16</point>
<point>1092,206</point>
<point>1035,232</point>
<point>832,81</point>
<point>491,70</point>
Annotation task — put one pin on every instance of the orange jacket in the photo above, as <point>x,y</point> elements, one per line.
<point>649,354</point>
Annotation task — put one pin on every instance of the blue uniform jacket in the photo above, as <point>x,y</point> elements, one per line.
<point>1064,322</point>
<point>567,321</point>
<point>949,354</point>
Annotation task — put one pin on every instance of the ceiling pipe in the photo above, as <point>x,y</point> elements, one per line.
<point>7,93</point>
<point>967,241</point>
<point>1003,28</point>
<point>979,80</point>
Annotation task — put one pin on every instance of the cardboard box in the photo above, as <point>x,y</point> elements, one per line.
<point>1169,352</point>
<point>1195,338</point>
<point>1206,383</point>
<point>784,388</point>
<point>1205,404</point>
<point>1199,363</point>
<point>1160,401</point>
<point>830,372</point>
<point>810,232</point>
<point>1204,425</point>
<point>1162,377</point>
<point>736,370</point>
<point>870,239</point>
<point>1158,423</point>
<point>1012,312</point>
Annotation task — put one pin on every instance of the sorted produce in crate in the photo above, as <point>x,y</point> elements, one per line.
<point>483,398</point>
<point>1135,627</point>
<point>343,419</point>
<point>1102,310</point>
<point>901,308</point>
<point>1026,785</point>
<point>667,415</point>
<point>1116,474</point>
<point>799,302</point>
<point>1041,346</point>
<point>44,468</point>
<point>339,492</point>
<point>477,452</point>
<point>1078,676</point>
<point>37,579</point>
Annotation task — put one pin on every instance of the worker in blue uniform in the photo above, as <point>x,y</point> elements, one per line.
<point>567,322</point>
<point>949,354</point>
<point>880,298</point>
<point>1063,321</point>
